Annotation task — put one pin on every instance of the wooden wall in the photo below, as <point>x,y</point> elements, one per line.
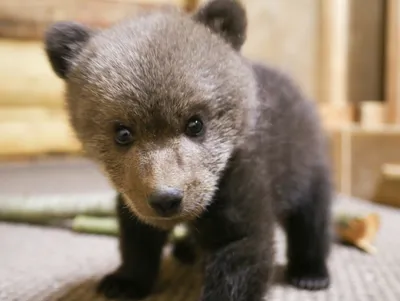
<point>28,19</point>
<point>33,120</point>
<point>32,115</point>
<point>286,34</point>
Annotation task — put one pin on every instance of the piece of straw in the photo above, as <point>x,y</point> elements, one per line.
<point>95,225</point>
<point>38,209</point>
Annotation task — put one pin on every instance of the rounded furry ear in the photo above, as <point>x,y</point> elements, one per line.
<point>226,18</point>
<point>63,41</point>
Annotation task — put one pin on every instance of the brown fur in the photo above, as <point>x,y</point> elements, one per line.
<point>262,154</point>
<point>110,97</point>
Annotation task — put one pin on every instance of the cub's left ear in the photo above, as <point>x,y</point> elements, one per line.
<point>63,42</point>
<point>226,18</point>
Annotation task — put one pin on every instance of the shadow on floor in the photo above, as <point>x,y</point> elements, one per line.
<point>177,282</point>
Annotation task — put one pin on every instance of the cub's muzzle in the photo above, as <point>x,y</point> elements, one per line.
<point>166,201</point>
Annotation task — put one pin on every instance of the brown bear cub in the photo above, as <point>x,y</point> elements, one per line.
<point>190,131</point>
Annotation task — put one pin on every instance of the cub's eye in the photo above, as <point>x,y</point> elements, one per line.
<point>194,127</point>
<point>123,135</point>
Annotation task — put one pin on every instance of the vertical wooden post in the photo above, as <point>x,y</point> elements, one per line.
<point>392,89</point>
<point>366,58</point>
<point>333,54</point>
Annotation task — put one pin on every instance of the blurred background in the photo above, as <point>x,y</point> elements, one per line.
<point>345,54</point>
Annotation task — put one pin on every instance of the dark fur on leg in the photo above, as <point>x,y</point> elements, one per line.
<point>308,237</point>
<point>240,252</point>
<point>239,271</point>
<point>140,247</point>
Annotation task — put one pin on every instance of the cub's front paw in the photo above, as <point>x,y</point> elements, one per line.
<point>310,276</point>
<point>116,285</point>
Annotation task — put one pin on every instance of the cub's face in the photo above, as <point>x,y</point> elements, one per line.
<point>160,101</point>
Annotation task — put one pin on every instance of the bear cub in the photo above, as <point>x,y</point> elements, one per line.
<point>190,131</point>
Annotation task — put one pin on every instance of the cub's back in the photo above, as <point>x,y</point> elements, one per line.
<point>290,135</point>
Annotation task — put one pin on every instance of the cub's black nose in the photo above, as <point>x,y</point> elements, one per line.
<point>166,202</point>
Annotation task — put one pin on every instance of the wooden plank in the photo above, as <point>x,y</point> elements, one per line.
<point>334,116</point>
<point>392,76</point>
<point>388,188</point>
<point>351,51</point>
<point>26,77</point>
<point>391,171</point>
<point>358,155</point>
<point>285,34</point>
<point>336,155</point>
<point>372,114</point>
<point>29,138</point>
<point>366,57</point>
<point>368,150</point>
<point>334,18</point>
<point>29,19</point>
<point>29,113</point>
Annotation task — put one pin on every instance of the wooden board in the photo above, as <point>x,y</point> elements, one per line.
<point>26,76</point>
<point>351,51</point>
<point>366,59</point>
<point>358,155</point>
<point>333,79</point>
<point>372,114</point>
<point>337,155</point>
<point>29,19</point>
<point>392,77</point>
<point>334,116</point>
<point>30,113</point>
<point>339,150</point>
<point>285,34</point>
<point>37,137</point>
<point>388,188</point>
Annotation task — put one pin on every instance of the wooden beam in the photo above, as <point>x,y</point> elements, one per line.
<point>366,58</point>
<point>29,19</point>
<point>358,156</point>
<point>388,187</point>
<point>372,114</point>
<point>391,171</point>
<point>351,51</point>
<point>334,116</point>
<point>333,54</point>
<point>37,138</point>
<point>285,34</point>
<point>30,113</point>
<point>26,76</point>
<point>392,89</point>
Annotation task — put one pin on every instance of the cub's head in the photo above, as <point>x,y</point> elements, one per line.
<point>161,101</point>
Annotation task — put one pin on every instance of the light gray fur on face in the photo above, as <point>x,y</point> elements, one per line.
<point>152,73</point>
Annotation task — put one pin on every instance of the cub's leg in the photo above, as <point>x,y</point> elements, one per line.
<point>140,250</point>
<point>238,249</point>
<point>239,271</point>
<point>307,225</point>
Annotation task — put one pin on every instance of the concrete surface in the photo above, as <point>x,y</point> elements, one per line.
<point>54,175</point>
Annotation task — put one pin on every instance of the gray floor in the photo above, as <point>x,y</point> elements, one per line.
<point>52,175</point>
<point>45,264</point>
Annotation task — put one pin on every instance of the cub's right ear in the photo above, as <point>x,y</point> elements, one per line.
<point>226,18</point>
<point>63,42</point>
